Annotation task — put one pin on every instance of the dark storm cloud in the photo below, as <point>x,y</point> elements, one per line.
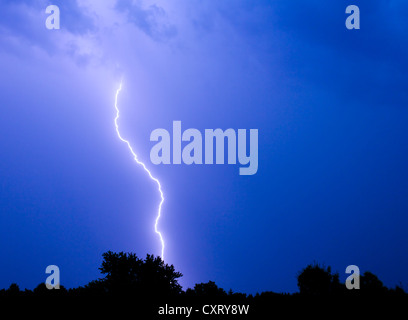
<point>74,18</point>
<point>318,50</point>
<point>152,20</point>
<point>368,64</point>
<point>23,23</point>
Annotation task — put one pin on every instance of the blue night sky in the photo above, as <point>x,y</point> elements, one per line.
<point>330,104</point>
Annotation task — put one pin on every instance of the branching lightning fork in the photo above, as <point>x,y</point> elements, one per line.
<point>145,168</point>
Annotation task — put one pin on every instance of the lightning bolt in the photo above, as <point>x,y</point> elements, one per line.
<point>145,168</point>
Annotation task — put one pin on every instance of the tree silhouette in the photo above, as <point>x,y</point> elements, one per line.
<point>371,285</point>
<point>150,280</point>
<point>41,290</point>
<point>13,290</point>
<point>126,274</point>
<point>205,290</point>
<point>318,281</point>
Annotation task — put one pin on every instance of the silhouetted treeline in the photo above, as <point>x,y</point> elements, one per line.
<point>124,274</point>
